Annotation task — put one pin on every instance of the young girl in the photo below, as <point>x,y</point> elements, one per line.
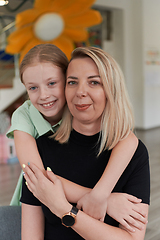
<point>43,71</point>
<point>97,100</point>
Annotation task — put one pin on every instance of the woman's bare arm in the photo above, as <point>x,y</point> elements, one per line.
<point>92,229</point>
<point>32,223</point>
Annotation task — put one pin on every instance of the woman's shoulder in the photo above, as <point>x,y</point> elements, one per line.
<point>141,156</point>
<point>141,149</point>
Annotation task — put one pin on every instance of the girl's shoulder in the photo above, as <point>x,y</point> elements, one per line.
<point>21,120</point>
<point>25,107</point>
<point>22,112</point>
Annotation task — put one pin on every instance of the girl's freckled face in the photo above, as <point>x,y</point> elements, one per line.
<point>45,85</point>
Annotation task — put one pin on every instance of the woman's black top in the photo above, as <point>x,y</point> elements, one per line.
<point>77,161</point>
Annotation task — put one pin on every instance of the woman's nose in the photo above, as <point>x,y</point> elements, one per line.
<point>81,90</point>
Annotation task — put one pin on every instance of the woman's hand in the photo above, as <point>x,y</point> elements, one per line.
<point>126,209</point>
<point>48,190</point>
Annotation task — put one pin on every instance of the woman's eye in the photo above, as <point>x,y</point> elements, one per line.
<point>71,82</point>
<point>94,83</point>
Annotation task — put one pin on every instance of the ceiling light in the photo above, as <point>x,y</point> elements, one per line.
<point>3,2</point>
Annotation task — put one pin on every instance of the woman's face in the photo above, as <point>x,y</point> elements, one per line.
<point>45,86</point>
<point>84,93</point>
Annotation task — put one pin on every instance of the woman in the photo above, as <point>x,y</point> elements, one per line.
<point>97,100</point>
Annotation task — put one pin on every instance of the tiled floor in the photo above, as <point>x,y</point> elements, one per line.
<point>9,175</point>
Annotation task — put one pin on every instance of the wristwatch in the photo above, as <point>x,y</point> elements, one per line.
<point>69,219</point>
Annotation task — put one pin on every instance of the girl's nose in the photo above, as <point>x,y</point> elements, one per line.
<point>44,94</point>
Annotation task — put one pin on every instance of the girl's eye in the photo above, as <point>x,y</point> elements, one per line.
<point>52,83</point>
<point>32,88</point>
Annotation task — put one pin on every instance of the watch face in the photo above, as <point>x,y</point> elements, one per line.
<point>68,220</point>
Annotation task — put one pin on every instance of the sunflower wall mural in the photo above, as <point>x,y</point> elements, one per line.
<point>59,22</point>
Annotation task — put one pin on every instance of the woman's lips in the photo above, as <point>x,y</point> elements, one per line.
<point>82,107</point>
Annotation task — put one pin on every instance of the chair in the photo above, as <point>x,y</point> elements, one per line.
<point>10,222</point>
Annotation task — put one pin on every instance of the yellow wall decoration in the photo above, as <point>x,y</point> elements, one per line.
<point>60,22</point>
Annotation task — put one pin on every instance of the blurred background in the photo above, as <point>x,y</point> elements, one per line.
<point>130,32</point>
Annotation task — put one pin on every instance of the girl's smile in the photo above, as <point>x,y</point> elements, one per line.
<point>48,105</point>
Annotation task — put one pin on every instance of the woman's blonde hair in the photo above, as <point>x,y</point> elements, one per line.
<point>117,119</point>
<point>44,53</point>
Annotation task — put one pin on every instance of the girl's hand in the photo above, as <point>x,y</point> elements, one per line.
<point>48,190</point>
<point>126,210</point>
<point>94,205</point>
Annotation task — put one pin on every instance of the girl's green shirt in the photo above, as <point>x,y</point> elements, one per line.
<point>28,119</point>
